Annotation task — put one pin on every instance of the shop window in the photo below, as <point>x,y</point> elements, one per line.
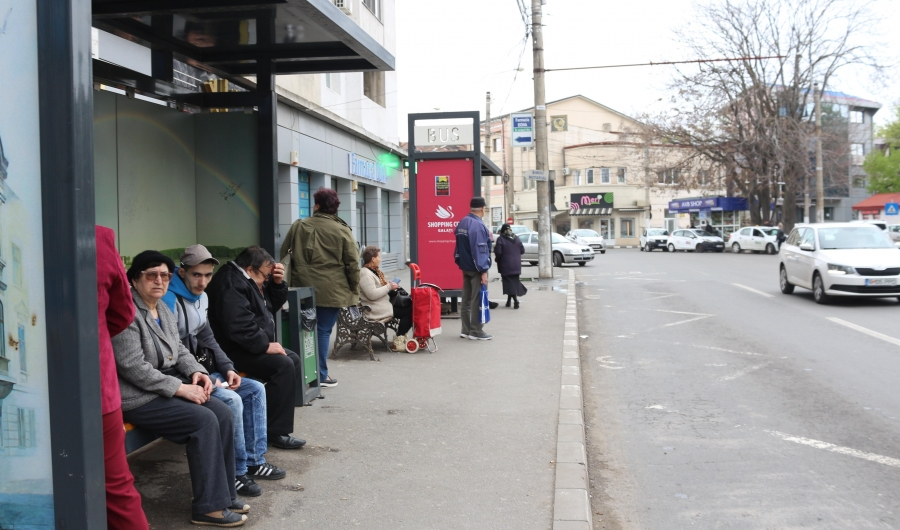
<point>385,221</point>
<point>829,213</point>
<point>373,86</point>
<point>23,356</point>
<point>303,195</point>
<point>620,175</point>
<point>857,116</point>
<point>859,182</point>
<point>626,227</point>
<point>589,176</point>
<point>18,273</point>
<point>604,175</point>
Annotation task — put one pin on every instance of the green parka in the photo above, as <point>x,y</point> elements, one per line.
<point>324,256</point>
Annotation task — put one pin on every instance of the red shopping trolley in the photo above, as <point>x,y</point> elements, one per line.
<point>426,314</point>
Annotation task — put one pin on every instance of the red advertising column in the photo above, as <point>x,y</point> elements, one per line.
<point>443,191</point>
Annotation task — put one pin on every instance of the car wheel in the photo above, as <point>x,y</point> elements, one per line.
<point>533,263</point>
<point>665,249</point>
<point>603,252</point>
<point>819,289</point>
<point>671,247</point>
<point>736,248</point>
<point>786,286</point>
<point>582,264</point>
<point>699,248</point>
<point>557,259</point>
<point>770,249</point>
<point>641,248</point>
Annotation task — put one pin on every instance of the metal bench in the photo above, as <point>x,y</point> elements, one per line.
<point>355,329</point>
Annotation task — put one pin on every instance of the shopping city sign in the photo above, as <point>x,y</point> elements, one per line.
<point>522,129</point>
<point>367,169</point>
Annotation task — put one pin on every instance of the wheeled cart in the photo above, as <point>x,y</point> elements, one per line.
<point>426,315</point>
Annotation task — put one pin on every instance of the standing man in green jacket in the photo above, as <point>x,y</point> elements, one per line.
<point>324,255</point>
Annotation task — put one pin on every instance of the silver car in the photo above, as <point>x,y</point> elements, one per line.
<point>585,236</point>
<point>840,259</point>
<point>564,251</point>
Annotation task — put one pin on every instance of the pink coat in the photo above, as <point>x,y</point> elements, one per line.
<point>115,312</point>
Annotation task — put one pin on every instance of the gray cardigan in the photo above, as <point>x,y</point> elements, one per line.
<point>140,379</point>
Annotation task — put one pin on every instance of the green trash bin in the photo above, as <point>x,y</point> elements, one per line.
<point>304,342</point>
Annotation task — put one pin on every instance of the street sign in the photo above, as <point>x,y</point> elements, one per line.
<point>522,129</point>
<point>537,174</point>
<point>509,220</point>
<point>892,208</point>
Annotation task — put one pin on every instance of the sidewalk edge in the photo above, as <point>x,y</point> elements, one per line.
<point>571,499</point>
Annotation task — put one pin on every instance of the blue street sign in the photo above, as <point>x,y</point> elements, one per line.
<point>522,129</point>
<point>892,208</point>
<point>522,140</point>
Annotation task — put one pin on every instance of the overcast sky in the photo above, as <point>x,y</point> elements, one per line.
<point>450,53</point>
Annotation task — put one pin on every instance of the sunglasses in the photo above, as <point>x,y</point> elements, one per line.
<point>153,275</point>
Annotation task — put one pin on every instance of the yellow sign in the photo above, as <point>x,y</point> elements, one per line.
<point>559,123</point>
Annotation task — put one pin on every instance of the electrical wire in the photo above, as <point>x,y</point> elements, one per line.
<point>651,63</point>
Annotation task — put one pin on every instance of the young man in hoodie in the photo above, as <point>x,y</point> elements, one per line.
<point>246,397</point>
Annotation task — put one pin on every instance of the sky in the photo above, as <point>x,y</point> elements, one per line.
<point>450,53</point>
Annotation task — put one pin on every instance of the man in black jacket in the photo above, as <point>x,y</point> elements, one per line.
<point>243,297</point>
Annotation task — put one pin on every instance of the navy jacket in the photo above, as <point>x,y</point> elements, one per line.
<point>509,256</point>
<point>473,245</point>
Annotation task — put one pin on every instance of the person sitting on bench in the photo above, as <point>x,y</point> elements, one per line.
<point>245,397</point>
<point>167,392</point>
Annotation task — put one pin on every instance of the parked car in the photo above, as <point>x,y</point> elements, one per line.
<point>754,239</point>
<point>880,224</point>
<point>584,236</point>
<point>894,231</point>
<point>654,238</point>
<point>564,250</point>
<point>695,240</point>
<point>516,229</point>
<point>840,259</point>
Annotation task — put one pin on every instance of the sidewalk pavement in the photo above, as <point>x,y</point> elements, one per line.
<point>462,438</point>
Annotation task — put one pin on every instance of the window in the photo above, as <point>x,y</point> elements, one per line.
<point>498,179</point>
<point>808,237</point>
<point>333,81</point>
<point>620,175</point>
<point>604,175</point>
<point>576,178</point>
<point>626,227</point>
<point>858,149</point>
<point>703,177</point>
<point>385,221</point>
<point>18,273</point>
<point>669,176</point>
<point>829,213</point>
<point>498,145</point>
<point>19,428</point>
<point>746,231</point>
<point>303,195</point>
<point>859,182</point>
<point>857,116</point>
<point>757,233</point>
<point>589,176</point>
<point>23,356</point>
<point>374,6</point>
<point>373,86</point>
<point>524,238</point>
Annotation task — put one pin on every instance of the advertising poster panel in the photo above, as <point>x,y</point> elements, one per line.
<point>443,191</point>
<point>26,488</point>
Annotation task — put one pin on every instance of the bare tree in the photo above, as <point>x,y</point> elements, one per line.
<point>751,117</point>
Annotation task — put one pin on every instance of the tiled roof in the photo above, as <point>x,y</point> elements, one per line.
<point>876,202</point>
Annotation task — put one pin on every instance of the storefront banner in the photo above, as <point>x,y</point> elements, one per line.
<point>707,203</point>
<point>578,201</point>
<point>443,191</point>
<point>367,169</point>
<point>687,204</point>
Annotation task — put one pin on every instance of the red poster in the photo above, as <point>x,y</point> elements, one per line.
<point>443,191</point>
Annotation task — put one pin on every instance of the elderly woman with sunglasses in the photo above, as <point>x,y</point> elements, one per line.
<point>167,392</point>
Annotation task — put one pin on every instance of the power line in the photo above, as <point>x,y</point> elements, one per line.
<point>697,61</point>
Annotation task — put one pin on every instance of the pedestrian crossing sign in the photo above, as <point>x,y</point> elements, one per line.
<point>892,208</point>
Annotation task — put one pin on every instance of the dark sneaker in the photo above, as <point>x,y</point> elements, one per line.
<point>480,336</point>
<point>229,519</point>
<point>266,472</point>
<point>464,335</point>
<point>286,442</point>
<point>328,383</point>
<point>245,486</point>
<point>493,305</point>
<point>239,507</point>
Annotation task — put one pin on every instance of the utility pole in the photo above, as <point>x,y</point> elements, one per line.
<point>545,266</point>
<point>486,182</point>
<point>820,177</point>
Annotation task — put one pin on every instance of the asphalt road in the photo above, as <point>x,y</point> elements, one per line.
<point>712,405</point>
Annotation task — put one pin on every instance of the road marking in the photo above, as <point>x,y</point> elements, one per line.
<point>688,320</point>
<point>869,332</point>
<point>752,290</point>
<point>680,312</point>
<point>872,457</point>
<point>741,373</point>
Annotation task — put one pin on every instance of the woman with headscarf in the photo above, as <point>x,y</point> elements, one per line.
<point>509,250</point>
<point>377,292</point>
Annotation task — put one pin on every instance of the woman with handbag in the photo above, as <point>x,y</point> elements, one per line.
<point>167,392</point>
<point>385,299</point>
<point>509,250</point>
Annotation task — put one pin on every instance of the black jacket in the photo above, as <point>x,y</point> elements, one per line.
<point>242,318</point>
<point>509,256</point>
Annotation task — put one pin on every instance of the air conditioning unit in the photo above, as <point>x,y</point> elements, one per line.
<point>566,172</point>
<point>514,207</point>
<point>344,5</point>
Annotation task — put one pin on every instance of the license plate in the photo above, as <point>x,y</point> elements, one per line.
<point>882,281</point>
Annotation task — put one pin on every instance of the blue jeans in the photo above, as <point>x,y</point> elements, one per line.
<point>327,317</point>
<point>248,406</point>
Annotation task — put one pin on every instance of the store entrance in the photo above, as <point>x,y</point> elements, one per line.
<point>607,229</point>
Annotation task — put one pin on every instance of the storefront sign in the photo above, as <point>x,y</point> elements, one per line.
<point>443,135</point>
<point>522,129</point>
<point>537,174</point>
<point>367,169</point>
<point>438,214</point>
<point>708,203</point>
<point>578,201</point>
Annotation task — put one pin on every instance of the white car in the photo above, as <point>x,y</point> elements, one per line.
<point>516,229</point>
<point>654,238</point>
<point>584,236</point>
<point>755,239</point>
<point>694,240</point>
<point>564,251</point>
<point>894,231</point>
<point>840,259</point>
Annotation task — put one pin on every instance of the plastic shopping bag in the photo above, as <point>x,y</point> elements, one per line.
<point>484,312</point>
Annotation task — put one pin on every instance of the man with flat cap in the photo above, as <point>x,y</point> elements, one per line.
<point>473,257</point>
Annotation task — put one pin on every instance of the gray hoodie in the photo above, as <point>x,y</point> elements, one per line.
<point>196,334</point>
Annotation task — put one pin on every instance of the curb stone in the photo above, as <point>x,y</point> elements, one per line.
<point>571,500</point>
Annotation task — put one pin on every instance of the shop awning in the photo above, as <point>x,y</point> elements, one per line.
<point>631,209</point>
<point>590,212</point>
<point>234,36</point>
<point>875,203</point>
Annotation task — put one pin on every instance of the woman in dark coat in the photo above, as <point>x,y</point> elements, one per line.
<point>509,250</point>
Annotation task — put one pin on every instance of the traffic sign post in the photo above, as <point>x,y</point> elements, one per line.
<point>892,209</point>
<point>522,129</point>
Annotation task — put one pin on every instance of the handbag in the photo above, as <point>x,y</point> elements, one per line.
<point>484,311</point>
<point>400,299</point>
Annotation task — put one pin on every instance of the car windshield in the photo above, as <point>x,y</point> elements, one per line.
<point>853,238</point>
<point>556,238</point>
<point>586,233</point>
<point>700,233</point>
<point>769,231</point>
<point>657,233</point>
